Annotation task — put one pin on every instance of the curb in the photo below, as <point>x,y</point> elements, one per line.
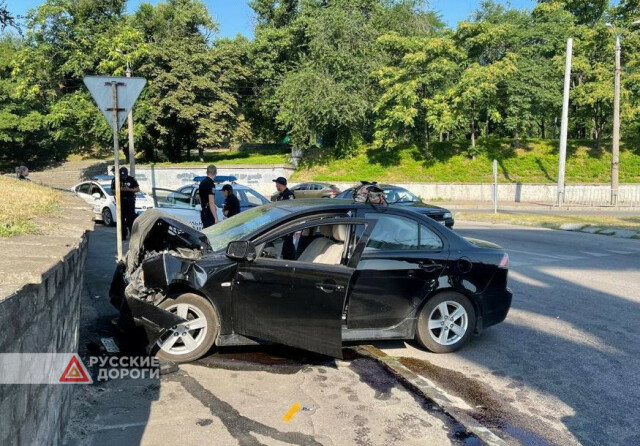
<point>422,386</point>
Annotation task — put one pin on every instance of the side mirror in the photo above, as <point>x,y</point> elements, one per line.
<point>198,207</point>
<point>96,195</point>
<point>241,250</point>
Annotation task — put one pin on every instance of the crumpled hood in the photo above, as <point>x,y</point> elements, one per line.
<point>156,231</point>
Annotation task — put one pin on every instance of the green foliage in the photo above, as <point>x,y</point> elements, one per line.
<point>534,161</point>
<point>330,76</point>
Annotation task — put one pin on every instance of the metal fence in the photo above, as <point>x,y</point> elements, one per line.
<point>628,195</point>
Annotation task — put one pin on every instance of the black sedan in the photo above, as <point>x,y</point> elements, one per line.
<point>400,196</point>
<point>308,274</point>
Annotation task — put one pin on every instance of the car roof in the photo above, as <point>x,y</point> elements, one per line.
<point>236,186</point>
<point>311,204</point>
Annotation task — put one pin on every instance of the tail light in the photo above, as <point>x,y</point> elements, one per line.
<point>333,193</point>
<point>504,263</point>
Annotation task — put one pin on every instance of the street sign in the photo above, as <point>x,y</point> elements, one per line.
<point>129,89</point>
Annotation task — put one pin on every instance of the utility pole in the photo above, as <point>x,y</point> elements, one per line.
<point>132,149</point>
<point>615,147</point>
<point>564,126</point>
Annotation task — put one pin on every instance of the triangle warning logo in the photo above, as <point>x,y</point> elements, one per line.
<point>75,372</point>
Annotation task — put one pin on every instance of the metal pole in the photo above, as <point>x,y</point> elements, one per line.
<point>615,149</point>
<point>132,149</point>
<point>564,125</point>
<point>495,186</point>
<point>116,150</point>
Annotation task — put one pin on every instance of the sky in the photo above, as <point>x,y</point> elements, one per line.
<point>235,16</point>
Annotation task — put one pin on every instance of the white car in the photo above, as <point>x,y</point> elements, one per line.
<point>98,194</point>
<point>184,202</point>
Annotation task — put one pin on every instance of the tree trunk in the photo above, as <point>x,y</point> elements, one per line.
<point>473,133</point>
<point>441,137</point>
<point>201,154</point>
<point>542,129</point>
<point>486,127</point>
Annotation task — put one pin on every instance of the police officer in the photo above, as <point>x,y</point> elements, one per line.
<point>207,193</point>
<point>231,203</point>
<point>281,186</point>
<point>128,189</point>
<point>288,247</point>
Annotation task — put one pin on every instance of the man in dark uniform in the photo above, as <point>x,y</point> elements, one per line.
<point>281,186</point>
<point>128,189</point>
<point>231,203</point>
<point>288,247</point>
<point>207,193</point>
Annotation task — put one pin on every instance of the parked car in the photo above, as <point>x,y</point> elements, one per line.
<point>312,190</point>
<point>99,195</point>
<point>400,196</point>
<point>184,202</point>
<point>359,272</point>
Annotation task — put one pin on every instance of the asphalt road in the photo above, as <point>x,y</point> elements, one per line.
<point>564,368</point>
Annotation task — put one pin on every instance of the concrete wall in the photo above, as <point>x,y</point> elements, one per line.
<point>42,279</point>
<point>259,177</point>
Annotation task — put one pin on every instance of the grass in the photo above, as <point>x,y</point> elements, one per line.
<point>257,156</point>
<point>532,161</point>
<point>21,203</point>
<point>553,221</point>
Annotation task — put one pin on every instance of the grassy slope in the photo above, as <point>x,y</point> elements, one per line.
<point>21,202</point>
<point>535,161</point>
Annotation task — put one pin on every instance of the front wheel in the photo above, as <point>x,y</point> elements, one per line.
<point>446,322</point>
<point>192,339</point>
<point>107,218</point>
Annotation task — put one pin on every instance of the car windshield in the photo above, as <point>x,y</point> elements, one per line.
<point>399,195</point>
<point>107,188</point>
<point>241,225</point>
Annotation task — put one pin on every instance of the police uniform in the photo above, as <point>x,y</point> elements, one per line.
<point>288,247</point>
<point>207,187</point>
<point>286,195</point>
<point>127,200</point>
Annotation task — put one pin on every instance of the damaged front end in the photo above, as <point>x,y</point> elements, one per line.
<point>162,251</point>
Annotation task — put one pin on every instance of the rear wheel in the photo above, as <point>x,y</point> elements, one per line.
<point>107,218</point>
<point>192,339</point>
<point>446,322</point>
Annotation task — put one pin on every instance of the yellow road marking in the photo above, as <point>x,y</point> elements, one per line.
<point>292,411</point>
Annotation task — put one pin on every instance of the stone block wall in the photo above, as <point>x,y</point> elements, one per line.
<point>40,297</point>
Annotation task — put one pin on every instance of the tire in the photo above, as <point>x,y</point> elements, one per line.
<point>107,218</point>
<point>173,345</point>
<point>432,332</point>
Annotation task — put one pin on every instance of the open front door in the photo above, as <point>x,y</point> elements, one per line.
<point>292,303</point>
<point>299,302</point>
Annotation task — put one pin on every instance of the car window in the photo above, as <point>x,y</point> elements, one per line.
<point>393,233</point>
<point>84,188</point>
<point>95,189</point>
<point>303,186</point>
<point>317,187</point>
<point>317,244</point>
<point>429,239</point>
<point>173,199</point>
<point>399,195</point>
<point>251,198</point>
<point>242,225</point>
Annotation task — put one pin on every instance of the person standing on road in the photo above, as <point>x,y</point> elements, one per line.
<point>207,193</point>
<point>281,186</point>
<point>288,247</point>
<point>22,173</point>
<point>231,203</point>
<point>129,187</point>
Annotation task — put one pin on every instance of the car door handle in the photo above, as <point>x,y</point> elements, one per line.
<point>328,287</point>
<point>431,267</point>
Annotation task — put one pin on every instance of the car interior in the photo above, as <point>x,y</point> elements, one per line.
<point>326,244</point>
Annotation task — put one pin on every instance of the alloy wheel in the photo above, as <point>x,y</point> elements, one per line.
<point>448,323</point>
<point>184,338</point>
